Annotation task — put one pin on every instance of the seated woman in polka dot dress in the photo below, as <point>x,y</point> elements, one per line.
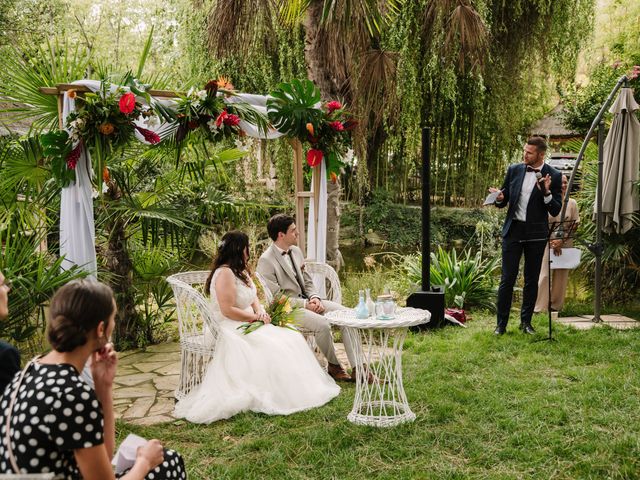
<point>58,423</point>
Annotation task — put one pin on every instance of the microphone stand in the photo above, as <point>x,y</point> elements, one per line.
<point>557,231</point>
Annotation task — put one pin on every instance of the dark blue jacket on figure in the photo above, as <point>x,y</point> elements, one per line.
<point>537,211</point>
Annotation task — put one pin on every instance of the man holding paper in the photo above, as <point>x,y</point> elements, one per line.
<point>531,190</point>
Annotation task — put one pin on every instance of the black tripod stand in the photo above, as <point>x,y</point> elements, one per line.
<point>558,231</point>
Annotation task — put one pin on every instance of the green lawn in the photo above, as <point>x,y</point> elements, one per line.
<point>486,407</point>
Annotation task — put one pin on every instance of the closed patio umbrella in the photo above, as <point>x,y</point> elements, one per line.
<point>621,163</point>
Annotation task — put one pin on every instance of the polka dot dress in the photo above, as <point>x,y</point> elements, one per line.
<point>55,413</point>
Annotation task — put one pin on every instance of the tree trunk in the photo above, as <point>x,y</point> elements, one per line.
<point>120,265</point>
<point>332,82</point>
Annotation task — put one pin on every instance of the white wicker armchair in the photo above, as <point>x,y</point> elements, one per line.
<point>328,274</point>
<point>198,329</point>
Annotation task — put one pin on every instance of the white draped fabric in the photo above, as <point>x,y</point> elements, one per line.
<point>317,233</point>
<point>77,229</point>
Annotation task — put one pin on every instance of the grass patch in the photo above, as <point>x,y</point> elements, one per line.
<point>487,407</point>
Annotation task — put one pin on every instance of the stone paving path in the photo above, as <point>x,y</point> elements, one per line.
<point>584,322</point>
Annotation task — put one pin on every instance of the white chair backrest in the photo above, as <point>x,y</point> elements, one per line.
<point>326,273</point>
<point>194,310</point>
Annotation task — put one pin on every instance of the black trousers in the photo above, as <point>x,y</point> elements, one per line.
<point>520,240</point>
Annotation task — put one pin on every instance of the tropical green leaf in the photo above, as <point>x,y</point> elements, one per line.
<point>293,105</point>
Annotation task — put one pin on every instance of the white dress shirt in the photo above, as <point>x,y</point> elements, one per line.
<point>528,184</point>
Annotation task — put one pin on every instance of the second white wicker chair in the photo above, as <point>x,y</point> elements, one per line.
<point>198,329</point>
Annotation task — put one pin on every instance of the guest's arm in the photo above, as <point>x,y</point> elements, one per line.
<point>103,370</point>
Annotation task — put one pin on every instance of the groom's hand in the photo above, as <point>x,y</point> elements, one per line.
<point>315,305</point>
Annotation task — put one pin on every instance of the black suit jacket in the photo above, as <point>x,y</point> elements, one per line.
<point>537,211</point>
<point>9,364</point>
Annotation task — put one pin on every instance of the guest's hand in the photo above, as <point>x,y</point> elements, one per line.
<point>547,183</point>
<point>104,363</point>
<point>500,196</point>
<point>556,245</point>
<point>151,453</point>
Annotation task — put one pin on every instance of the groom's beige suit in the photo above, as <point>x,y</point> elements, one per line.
<point>292,279</point>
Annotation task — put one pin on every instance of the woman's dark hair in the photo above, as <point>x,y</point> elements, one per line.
<point>77,309</point>
<point>279,223</point>
<point>231,253</point>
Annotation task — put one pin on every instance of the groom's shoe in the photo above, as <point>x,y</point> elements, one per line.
<point>371,378</point>
<point>337,373</point>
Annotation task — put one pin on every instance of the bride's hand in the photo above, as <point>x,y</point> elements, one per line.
<point>263,317</point>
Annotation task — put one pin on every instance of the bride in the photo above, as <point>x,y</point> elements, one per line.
<point>270,370</point>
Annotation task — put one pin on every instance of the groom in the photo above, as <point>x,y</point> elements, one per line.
<point>282,266</point>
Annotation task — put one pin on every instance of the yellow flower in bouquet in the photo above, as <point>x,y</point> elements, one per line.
<point>282,314</point>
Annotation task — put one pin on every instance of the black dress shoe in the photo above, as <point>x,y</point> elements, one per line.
<point>499,331</point>
<point>528,329</point>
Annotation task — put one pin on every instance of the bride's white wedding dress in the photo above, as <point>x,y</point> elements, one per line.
<point>271,370</point>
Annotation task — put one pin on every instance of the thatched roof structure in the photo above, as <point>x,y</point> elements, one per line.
<point>551,126</point>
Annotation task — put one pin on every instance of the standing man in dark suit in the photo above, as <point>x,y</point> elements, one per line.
<point>532,190</point>
<point>9,356</point>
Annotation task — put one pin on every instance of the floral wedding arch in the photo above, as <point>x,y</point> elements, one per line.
<point>96,118</point>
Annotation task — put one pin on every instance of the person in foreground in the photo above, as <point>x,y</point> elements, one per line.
<point>282,266</point>
<point>531,189</point>
<point>9,355</point>
<point>559,276</point>
<point>270,370</point>
<point>58,424</point>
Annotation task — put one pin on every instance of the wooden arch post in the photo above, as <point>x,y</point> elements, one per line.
<point>301,194</point>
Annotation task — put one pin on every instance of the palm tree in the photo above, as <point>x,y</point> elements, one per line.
<point>346,60</point>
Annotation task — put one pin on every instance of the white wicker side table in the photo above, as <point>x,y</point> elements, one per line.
<point>378,344</point>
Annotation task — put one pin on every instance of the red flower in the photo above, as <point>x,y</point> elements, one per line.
<point>333,105</point>
<point>193,124</point>
<point>74,156</point>
<point>221,117</point>
<point>231,120</point>
<point>149,136</point>
<point>127,103</point>
<point>337,126</point>
<point>314,157</point>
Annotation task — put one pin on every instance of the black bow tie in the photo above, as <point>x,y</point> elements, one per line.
<point>531,169</point>
<point>288,252</point>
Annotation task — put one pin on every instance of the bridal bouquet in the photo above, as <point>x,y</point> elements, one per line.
<point>281,312</point>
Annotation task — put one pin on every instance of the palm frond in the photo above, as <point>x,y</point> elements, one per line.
<point>41,66</point>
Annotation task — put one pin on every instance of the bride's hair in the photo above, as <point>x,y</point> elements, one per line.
<point>231,253</point>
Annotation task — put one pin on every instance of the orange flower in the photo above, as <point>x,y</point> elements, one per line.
<point>106,128</point>
<point>334,177</point>
<point>72,93</point>
<point>224,83</point>
<point>310,129</point>
<point>106,178</point>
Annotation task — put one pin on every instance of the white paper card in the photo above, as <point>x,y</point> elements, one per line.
<point>491,198</point>
<point>569,259</point>
<point>125,457</point>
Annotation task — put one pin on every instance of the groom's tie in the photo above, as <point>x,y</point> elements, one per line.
<point>295,272</point>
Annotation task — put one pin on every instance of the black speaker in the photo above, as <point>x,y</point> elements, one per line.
<point>431,300</point>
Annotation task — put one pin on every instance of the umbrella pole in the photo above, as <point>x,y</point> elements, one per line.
<point>598,247</point>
